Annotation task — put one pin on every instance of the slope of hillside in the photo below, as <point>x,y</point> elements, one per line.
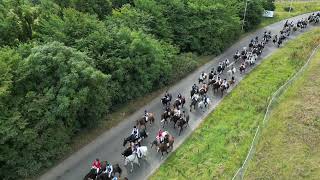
<point>289,147</point>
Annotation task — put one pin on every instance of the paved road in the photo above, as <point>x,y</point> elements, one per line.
<point>108,146</point>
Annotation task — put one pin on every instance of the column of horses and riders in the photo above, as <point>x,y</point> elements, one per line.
<point>175,111</point>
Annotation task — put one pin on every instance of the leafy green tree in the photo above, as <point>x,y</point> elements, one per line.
<point>101,8</point>
<point>17,18</point>
<point>56,92</point>
<point>119,3</point>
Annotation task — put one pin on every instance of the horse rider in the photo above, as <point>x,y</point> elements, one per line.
<point>233,70</point>
<point>227,62</point>
<point>202,77</point>
<point>160,136</point>
<point>135,132</point>
<point>225,83</point>
<point>167,96</point>
<point>96,165</point>
<point>195,87</point>
<point>146,115</point>
<point>177,113</point>
<point>211,75</point>
<point>108,170</point>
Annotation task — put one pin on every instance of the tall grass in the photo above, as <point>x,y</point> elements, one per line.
<point>289,147</point>
<point>218,147</point>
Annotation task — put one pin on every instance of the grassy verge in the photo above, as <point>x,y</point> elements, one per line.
<point>298,7</point>
<point>218,147</point>
<point>289,147</point>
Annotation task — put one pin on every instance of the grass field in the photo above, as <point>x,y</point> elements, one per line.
<point>289,147</point>
<point>298,7</point>
<point>218,147</point>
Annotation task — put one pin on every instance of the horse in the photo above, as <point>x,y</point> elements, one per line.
<point>92,174</point>
<point>104,176</point>
<point>215,86</point>
<point>179,102</point>
<point>142,135</point>
<point>166,100</point>
<point>182,122</point>
<point>194,101</point>
<point>127,152</point>
<point>143,121</point>
<point>203,78</point>
<point>165,116</point>
<point>242,69</point>
<point>163,147</point>
<point>174,119</point>
<point>134,159</point>
<point>223,88</point>
<point>193,91</point>
<point>204,103</point>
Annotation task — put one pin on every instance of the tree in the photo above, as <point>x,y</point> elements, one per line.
<point>17,18</point>
<point>56,92</point>
<point>101,8</point>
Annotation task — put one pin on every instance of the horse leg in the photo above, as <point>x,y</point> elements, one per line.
<point>131,167</point>
<point>181,128</point>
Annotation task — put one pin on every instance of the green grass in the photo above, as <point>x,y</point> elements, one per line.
<point>299,7</point>
<point>218,147</point>
<point>289,147</point>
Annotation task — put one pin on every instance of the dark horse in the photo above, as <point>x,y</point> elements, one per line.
<point>179,102</point>
<point>92,174</point>
<point>182,122</point>
<point>166,115</point>
<point>142,134</point>
<point>194,102</point>
<point>116,169</point>
<point>166,100</point>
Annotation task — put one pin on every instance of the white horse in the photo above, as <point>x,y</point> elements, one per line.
<point>204,103</point>
<point>231,71</point>
<point>134,158</point>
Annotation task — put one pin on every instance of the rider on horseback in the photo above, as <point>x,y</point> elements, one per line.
<point>96,165</point>
<point>225,83</point>
<point>135,132</point>
<point>146,115</point>
<point>195,88</point>
<point>108,170</point>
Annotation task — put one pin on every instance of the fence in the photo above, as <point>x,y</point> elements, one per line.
<point>274,99</point>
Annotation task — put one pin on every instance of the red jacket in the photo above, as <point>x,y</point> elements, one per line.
<point>96,164</point>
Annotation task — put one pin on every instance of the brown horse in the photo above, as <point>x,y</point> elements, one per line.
<point>142,121</point>
<point>164,147</point>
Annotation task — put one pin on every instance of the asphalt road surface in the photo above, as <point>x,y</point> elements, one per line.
<point>108,146</point>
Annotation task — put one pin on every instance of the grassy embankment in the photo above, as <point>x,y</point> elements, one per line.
<point>298,7</point>
<point>87,136</point>
<point>289,147</point>
<point>218,147</point>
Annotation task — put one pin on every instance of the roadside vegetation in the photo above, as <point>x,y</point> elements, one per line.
<point>282,10</point>
<point>218,147</point>
<point>289,146</point>
<point>68,64</point>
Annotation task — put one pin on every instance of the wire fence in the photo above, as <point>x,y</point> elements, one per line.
<point>273,101</point>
